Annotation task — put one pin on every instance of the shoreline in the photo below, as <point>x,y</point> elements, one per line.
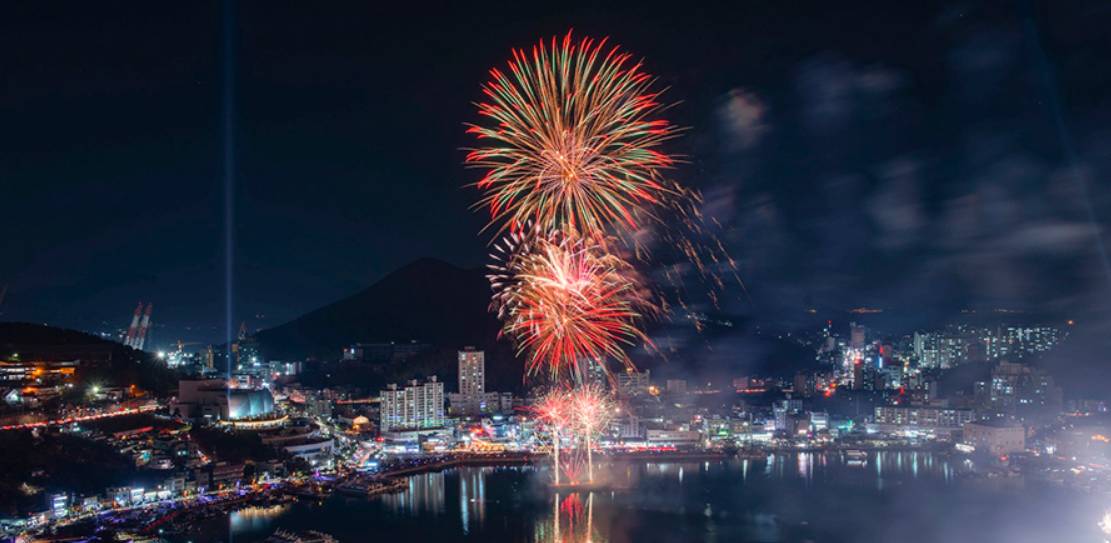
<point>363,485</point>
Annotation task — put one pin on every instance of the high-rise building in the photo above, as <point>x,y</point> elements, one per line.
<point>472,383</point>
<point>941,349</point>
<point>952,351</point>
<point>472,372</point>
<point>805,383</point>
<point>784,412</point>
<point>926,349</point>
<point>856,336</point>
<point>413,407</point>
<point>1023,388</point>
<point>596,373</point>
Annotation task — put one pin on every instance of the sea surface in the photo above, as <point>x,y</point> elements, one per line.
<point>908,497</point>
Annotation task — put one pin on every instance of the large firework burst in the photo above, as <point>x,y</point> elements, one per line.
<point>572,139</point>
<point>566,301</point>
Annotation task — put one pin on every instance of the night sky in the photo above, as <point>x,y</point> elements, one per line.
<point>919,159</point>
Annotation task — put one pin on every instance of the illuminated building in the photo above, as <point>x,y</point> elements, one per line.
<point>413,407</point>
<point>1087,441</point>
<point>785,412</point>
<point>633,383</point>
<point>856,335</point>
<point>672,436</point>
<point>939,350</point>
<point>631,427</point>
<point>858,375</point>
<point>246,403</point>
<point>1018,387</point>
<point>220,474</point>
<point>805,383</point>
<point>892,419</point>
<point>30,372</point>
<point>211,398</point>
<point>819,421</point>
<point>596,373</point>
<point>284,369</point>
<point>676,386</point>
<point>472,398</point>
<point>995,437</point>
<point>1020,341</point>
<point>926,350</point>
<point>379,353</point>
<point>59,505</point>
<point>317,452</point>
<point>952,350</point>
<point>472,381</point>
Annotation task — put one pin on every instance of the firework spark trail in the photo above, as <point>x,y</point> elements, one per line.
<point>592,409</point>
<point>573,139</point>
<point>553,410</point>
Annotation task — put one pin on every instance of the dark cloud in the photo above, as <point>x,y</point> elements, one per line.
<point>743,116</point>
<point>834,91</point>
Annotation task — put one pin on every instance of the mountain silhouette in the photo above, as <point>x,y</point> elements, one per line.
<point>428,301</point>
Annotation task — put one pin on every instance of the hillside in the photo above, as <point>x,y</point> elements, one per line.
<point>102,361</point>
<point>428,300</point>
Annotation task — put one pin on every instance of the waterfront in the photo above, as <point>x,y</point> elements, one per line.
<point>909,496</point>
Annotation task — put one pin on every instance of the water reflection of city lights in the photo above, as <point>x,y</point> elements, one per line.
<point>425,494</point>
<point>572,520</point>
<point>472,497</point>
<point>255,518</point>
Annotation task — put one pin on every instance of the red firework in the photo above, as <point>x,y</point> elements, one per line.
<point>566,301</point>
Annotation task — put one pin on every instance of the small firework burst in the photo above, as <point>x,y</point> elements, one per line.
<point>592,409</point>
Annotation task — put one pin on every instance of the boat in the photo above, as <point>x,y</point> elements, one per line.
<point>856,457</point>
<point>310,536</point>
<point>752,454</point>
<point>312,492</point>
<point>372,488</point>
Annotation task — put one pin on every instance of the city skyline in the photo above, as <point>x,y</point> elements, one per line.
<point>279,273</point>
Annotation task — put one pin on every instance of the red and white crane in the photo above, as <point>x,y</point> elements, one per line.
<point>140,324</point>
<point>143,328</point>
<point>134,328</point>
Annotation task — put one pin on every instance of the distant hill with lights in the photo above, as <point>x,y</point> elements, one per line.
<point>447,307</point>
<point>102,361</point>
<point>49,343</point>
